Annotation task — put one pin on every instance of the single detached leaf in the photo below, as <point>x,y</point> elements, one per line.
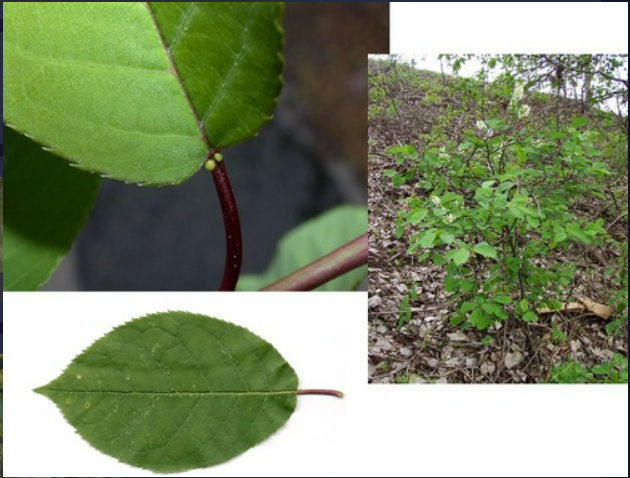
<point>140,91</point>
<point>485,249</point>
<point>174,391</point>
<point>50,201</point>
<point>310,241</point>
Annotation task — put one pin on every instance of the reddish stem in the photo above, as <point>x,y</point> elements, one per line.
<point>348,257</point>
<point>232,225</point>
<point>330,393</point>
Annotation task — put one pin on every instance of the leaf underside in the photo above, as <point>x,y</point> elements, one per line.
<point>310,241</point>
<point>137,91</point>
<point>174,391</point>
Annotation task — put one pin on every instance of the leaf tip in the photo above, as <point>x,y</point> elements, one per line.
<point>41,390</point>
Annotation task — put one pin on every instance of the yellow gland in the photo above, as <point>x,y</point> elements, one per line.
<point>210,164</point>
<point>218,157</point>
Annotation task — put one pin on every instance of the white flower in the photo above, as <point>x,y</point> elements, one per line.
<point>449,219</point>
<point>523,111</point>
<point>481,125</point>
<point>436,200</point>
<point>518,92</point>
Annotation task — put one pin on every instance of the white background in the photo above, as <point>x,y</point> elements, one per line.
<point>321,335</point>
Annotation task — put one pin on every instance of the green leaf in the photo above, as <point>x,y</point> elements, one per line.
<point>450,197</point>
<point>480,319</point>
<point>418,215</point>
<point>467,285</point>
<point>524,305</point>
<point>140,91</point>
<point>457,319</point>
<point>576,232</point>
<point>503,299</point>
<point>530,316</point>
<point>498,311</point>
<point>447,237</point>
<point>533,221</point>
<point>310,241</point>
<point>515,211</point>
<point>467,307</point>
<point>559,234</point>
<point>493,123</point>
<point>579,122</point>
<point>406,150</point>
<point>428,239</point>
<point>461,256</point>
<point>488,307</point>
<point>174,391</point>
<point>51,200</point>
<point>485,249</point>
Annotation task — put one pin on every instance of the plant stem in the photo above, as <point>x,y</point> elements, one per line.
<point>348,257</point>
<point>330,393</point>
<point>232,225</point>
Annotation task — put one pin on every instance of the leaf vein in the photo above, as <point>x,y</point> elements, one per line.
<point>244,44</point>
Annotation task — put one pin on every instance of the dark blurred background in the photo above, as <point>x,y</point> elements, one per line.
<point>312,156</point>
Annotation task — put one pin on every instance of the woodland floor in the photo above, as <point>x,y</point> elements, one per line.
<point>427,349</point>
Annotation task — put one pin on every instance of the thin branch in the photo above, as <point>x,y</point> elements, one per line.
<point>617,220</point>
<point>348,257</point>
<point>232,225</point>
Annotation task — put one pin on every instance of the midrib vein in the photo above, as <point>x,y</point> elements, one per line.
<point>175,73</point>
<point>174,393</point>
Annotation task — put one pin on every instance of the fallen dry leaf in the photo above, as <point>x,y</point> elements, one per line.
<point>585,304</point>
<point>513,359</point>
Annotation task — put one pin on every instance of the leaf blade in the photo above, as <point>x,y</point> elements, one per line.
<point>486,250</point>
<point>229,103</point>
<point>460,256</point>
<point>50,202</point>
<point>310,241</point>
<point>114,99</point>
<point>175,391</point>
<point>87,92</point>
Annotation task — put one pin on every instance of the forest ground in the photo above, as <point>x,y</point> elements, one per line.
<point>427,349</point>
